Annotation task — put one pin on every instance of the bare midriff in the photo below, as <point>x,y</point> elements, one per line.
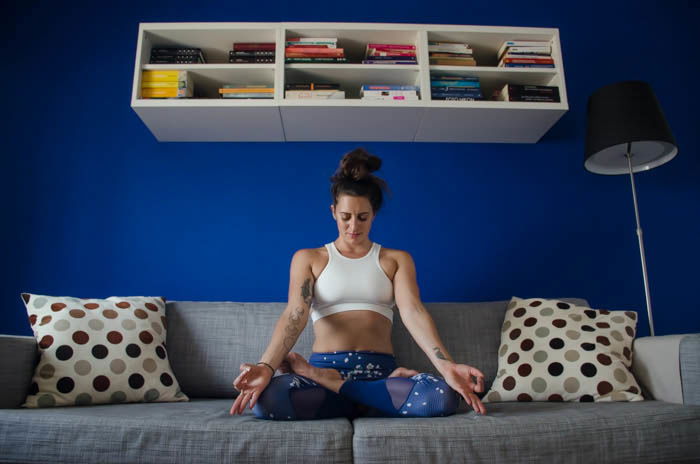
<point>353,330</point>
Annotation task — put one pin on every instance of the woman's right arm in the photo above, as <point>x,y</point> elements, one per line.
<point>255,378</point>
<point>294,318</point>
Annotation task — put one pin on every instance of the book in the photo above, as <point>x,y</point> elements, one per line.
<point>452,62</point>
<point>246,90</point>
<point>167,92</point>
<point>389,97</point>
<point>312,39</point>
<point>164,76</point>
<point>461,84</point>
<point>317,60</point>
<point>175,51</point>
<point>513,92</point>
<point>165,85</point>
<point>247,46</point>
<point>377,93</point>
<point>314,94</point>
<point>433,97</point>
<point>525,65</point>
<point>252,53</point>
<point>311,86</point>
<point>389,62</point>
<point>397,46</point>
<point>388,87</point>
<point>252,59</point>
<point>247,95</point>
<point>456,94</point>
<point>524,43</point>
<point>528,60</point>
<point>314,51</point>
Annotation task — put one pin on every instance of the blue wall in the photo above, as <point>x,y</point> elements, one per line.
<point>95,206</point>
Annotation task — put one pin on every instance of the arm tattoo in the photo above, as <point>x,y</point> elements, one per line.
<point>294,326</point>
<point>307,292</point>
<point>439,354</point>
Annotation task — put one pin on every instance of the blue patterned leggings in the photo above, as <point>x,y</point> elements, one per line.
<point>367,391</point>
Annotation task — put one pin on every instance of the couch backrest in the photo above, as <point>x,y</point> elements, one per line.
<point>207,341</point>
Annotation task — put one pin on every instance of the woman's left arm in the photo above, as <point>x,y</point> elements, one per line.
<point>422,328</point>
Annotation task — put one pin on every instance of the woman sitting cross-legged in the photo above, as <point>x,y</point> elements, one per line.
<point>349,288</point>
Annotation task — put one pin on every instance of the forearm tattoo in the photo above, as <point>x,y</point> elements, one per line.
<point>439,354</point>
<point>295,323</point>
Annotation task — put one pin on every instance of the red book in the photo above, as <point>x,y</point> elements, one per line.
<point>397,46</point>
<point>244,46</point>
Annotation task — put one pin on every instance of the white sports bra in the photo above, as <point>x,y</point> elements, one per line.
<point>348,284</point>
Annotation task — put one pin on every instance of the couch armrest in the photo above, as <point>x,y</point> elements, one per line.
<point>669,367</point>
<point>18,358</point>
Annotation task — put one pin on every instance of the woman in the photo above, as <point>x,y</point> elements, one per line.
<point>348,288</point>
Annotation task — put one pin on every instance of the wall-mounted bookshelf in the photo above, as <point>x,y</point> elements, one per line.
<point>208,117</point>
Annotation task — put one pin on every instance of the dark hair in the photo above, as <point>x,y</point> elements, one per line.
<point>353,177</point>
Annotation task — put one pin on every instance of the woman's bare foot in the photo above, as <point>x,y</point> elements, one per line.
<point>403,372</point>
<point>329,378</point>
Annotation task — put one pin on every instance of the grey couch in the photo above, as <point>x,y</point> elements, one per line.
<point>207,341</point>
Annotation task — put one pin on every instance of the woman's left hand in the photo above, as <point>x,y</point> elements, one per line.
<point>459,377</point>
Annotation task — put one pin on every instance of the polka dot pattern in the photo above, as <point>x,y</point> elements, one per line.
<point>97,351</point>
<point>555,351</point>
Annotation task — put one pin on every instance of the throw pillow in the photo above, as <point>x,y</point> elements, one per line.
<point>95,351</point>
<point>555,351</point>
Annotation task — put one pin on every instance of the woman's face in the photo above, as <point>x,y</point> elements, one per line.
<point>354,217</point>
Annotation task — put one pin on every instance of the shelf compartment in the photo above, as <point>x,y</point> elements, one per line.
<point>208,80</point>
<point>491,78</point>
<point>353,39</point>
<point>486,41</point>
<point>215,39</point>
<point>352,77</point>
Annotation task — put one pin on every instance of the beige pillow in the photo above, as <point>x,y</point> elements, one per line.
<point>100,351</point>
<point>555,351</point>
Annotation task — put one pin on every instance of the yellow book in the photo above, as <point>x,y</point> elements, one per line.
<point>166,93</point>
<point>169,85</point>
<point>166,75</point>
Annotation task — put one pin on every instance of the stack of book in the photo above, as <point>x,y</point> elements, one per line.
<point>450,54</point>
<point>389,92</point>
<point>252,52</point>
<point>455,88</point>
<point>242,91</point>
<point>166,84</point>
<point>177,55</point>
<point>313,91</point>
<point>527,93</point>
<point>525,54</point>
<point>313,50</point>
<point>378,53</point>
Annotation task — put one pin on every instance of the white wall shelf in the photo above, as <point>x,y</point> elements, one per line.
<point>210,118</point>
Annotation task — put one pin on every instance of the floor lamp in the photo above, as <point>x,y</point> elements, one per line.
<point>627,133</point>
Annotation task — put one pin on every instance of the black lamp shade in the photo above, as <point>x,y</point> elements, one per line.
<point>621,113</point>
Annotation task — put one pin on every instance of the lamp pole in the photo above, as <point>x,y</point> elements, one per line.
<point>641,241</point>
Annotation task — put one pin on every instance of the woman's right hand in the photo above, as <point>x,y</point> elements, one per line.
<point>253,379</point>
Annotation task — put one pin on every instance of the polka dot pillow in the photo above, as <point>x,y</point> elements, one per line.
<point>556,351</point>
<point>99,351</point>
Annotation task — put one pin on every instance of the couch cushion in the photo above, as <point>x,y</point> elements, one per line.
<point>208,341</point>
<point>556,351</point>
<point>471,333</point>
<point>99,351</point>
<point>197,431</point>
<point>624,432</point>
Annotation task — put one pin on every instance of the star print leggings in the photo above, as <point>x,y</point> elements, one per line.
<point>367,391</point>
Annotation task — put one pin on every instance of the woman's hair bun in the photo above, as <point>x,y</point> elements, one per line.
<point>357,165</point>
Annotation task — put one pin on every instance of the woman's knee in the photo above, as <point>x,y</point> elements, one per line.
<point>430,397</point>
<point>274,402</point>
